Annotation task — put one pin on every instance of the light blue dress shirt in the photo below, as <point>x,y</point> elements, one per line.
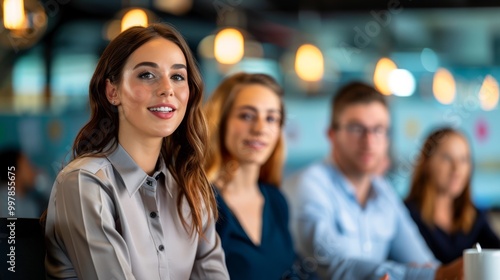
<point>340,239</point>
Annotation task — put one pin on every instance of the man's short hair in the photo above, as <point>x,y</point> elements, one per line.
<point>350,94</point>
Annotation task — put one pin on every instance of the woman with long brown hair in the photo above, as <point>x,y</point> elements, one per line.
<point>245,160</point>
<point>440,197</point>
<point>135,203</point>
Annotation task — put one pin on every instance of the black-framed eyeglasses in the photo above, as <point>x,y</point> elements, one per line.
<point>359,130</point>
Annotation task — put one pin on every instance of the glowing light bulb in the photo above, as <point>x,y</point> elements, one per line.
<point>228,46</point>
<point>134,17</point>
<point>401,82</point>
<point>309,64</point>
<point>488,94</point>
<point>13,14</point>
<point>176,7</point>
<point>381,75</point>
<point>444,86</point>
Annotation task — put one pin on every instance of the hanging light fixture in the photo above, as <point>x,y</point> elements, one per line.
<point>381,75</point>
<point>175,7</point>
<point>134,17</point>
<point>229,46</point>
<point>444,86</point>
<point>126,18</point>
<point>488,94</point>
<point>25,23</point>
<point>13,14</point>
<point>401,82</point>
<point>309,63</point>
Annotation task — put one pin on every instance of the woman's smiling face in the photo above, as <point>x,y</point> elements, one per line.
<point>153,93</point>
<point>253,126</point>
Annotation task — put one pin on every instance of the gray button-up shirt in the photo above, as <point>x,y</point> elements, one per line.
<point>107,219</point>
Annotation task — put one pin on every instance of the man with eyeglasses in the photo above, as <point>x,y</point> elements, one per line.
<point>346,220</point>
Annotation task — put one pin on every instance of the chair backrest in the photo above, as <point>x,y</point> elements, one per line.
<point>26,237</point>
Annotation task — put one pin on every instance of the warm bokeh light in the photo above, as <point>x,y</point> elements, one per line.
<point>112,29</point>
<point>402,82</point>
<point>176,7</point>
<point>134,17</point>
<point>381,75</point>
<point>206,47</point>
<point>444,86</point>
<point>488,94</point>
<point>13,14</point>
<point>229,46</point>
<point>309,64</point>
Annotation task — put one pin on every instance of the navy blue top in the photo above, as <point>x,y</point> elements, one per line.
<point>447,247</point>
<point>274,257</point>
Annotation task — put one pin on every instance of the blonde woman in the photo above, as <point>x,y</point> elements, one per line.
<point>245,160</point>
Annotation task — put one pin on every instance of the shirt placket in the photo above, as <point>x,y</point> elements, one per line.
<point>152,214</point>
<point>364,225</point>
<point>367,244</point>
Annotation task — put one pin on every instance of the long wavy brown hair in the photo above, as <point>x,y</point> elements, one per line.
<point>423,193</point>
<point>219,164</point>
<point>183,151</point>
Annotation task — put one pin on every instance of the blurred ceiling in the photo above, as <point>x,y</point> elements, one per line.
<point>441,24</point>
<point>463,32</point>
<point>293,6</point>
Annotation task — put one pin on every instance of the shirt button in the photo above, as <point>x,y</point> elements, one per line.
<point>149,183</point>
<point>152,215</point>
<point>161,247</point>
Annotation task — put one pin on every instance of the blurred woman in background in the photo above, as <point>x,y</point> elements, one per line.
<point>245,115</point>
<point>440,197</point>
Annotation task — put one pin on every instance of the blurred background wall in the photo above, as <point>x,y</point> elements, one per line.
<point>438,62</point>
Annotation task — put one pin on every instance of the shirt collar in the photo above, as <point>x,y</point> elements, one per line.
<point>345,184</point>
<point>132,175</point>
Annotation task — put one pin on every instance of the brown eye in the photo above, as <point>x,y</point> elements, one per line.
<point>246,116</point>
<point>272,119</point>
<point>178,77</point>
<point>146,76</point>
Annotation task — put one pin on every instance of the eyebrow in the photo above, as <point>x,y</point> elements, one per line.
<point>248,107</point>
<point>154,65</point>
<point>147,63</point>
<point>362,124</point>
<point>179,66</point>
